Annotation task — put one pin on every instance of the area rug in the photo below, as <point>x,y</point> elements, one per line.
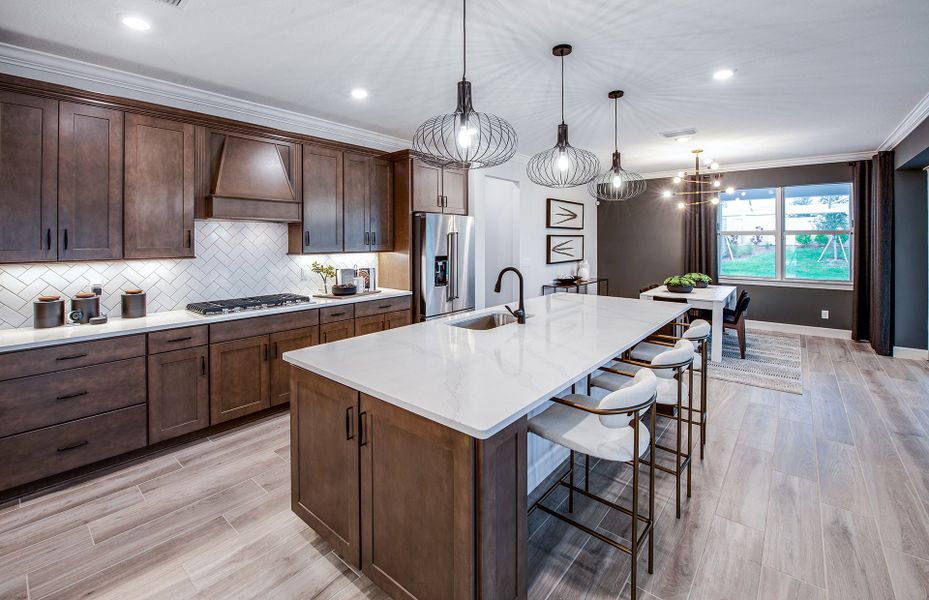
<point>772,360</point>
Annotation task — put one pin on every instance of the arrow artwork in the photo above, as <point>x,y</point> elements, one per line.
<point>564,214</point>
<point>565,248</point>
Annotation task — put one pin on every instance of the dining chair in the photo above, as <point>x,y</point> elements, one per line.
<point>735,319</point>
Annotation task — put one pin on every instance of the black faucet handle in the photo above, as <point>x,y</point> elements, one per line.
<point>512,312</point>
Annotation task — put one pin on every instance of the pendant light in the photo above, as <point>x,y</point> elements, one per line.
<point>616,183</point>
<point>465,139</point>
<point>562,166</point>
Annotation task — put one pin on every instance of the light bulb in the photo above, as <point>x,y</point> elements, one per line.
<point>730,190</point>
<point>714,200</point>
<point>676,180</point>
<point>617,181</point>
<point>563,163</point>
<point>683,139</point>
<point>464,136</point>
<point>680,206</point>
<point>666,194</point>
<point>680,174</point>
<point>136,23</point>
<point>716,183</point>
<point>723,74</point>
<point>714,166</point>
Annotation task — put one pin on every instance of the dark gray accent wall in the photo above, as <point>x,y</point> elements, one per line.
<point>910,263</point>
<point>641,242</point>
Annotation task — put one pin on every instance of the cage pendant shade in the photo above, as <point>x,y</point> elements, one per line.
<point>562,166</point>
<point>616,183</point>
<point>466,138</point>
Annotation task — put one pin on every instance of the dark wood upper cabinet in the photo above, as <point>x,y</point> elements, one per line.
<point>178,393</point>
<point>28,178</point>
<point>455,191</point>
<point>381,205</point>
<point>356,211</point>
<point>159,188</point>
<point>239,378</point>
<point>90,182</point>
<point>282,342</point>
<point>247,177</point>
<point>322,203</point>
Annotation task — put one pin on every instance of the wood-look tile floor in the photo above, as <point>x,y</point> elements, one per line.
<point>823,495</point>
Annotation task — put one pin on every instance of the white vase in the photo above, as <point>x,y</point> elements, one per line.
<point>583,269</point>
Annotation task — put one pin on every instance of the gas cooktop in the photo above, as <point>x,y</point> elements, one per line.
<point>219,307</point>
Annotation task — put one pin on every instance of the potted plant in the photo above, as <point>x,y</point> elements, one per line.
<point>700,280</point>
<point>324,272</point>
<point>680,284</point>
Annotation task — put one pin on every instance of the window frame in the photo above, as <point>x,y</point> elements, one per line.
<point>780,233</point>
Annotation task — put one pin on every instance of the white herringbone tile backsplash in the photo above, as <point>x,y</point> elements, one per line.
<point>233,260</point>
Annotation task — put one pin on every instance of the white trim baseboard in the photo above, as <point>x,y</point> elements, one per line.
<point>912,120</point>
<point>913,353</point>
<point>33,64</point>
<point>842,334</point>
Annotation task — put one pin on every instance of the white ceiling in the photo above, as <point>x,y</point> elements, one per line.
<point>815,78</point>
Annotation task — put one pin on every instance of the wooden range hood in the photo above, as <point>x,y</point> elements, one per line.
<point>251,179</point>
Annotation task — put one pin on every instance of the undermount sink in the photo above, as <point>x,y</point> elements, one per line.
<point>486,321</point>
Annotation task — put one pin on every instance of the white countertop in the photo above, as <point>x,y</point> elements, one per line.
<point>711,293</point>
<point>27,338</point>
<point>478,382</point>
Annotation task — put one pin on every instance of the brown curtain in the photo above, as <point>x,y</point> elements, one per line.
<point>700,237</point>
<point>872,304</point>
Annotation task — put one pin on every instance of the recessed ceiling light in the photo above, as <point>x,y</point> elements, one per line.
<point>723,74</point>
<point>136,23</point>
<point>683,139</point>
<point>359,94</point>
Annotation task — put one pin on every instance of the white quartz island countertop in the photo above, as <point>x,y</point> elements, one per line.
<point>478,382</point>
<point>27,338</point>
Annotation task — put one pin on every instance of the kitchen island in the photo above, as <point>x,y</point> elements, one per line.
<point>408,447</point>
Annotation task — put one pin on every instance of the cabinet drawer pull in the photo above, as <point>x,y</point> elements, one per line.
<point>306,239</point>
<point>202,365</point>
<point>438,201</point>
<point>74,395</point>
<point>274,351</point>
<point>48,238</point>
<point>367,238</point>
<point>180,339</point>
<point>350,423</point>
<point>187,240</point>
<point>73,446</point>
<point>65,239</point>
<point>363,428</point>
<point>265,346</point>
<point>338,314</point>
<point>383,306</point>
<point>72,356</point>
<point>373,238</point>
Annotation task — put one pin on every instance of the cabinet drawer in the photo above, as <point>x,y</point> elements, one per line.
<point>243,328</point>
<point>42,400</point>
<point>385,305</point>
<point>332,314</point>
<point>70,356</point>
<point>178,339</point>
<point>31,456</point>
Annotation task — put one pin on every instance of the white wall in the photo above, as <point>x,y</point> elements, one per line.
<point>543,456</point>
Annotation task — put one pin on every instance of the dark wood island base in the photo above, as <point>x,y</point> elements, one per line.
<point>424,511</point>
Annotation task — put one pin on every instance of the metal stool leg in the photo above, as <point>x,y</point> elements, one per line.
<point>586,472</point>
<point>571,481</point>
<point>651,492</point>
<point>704,375</point>
<point>690,422</point>
<point>677,452</point>
<point>635,505</point>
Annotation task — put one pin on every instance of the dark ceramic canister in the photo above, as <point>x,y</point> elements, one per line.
<point>88,305</point>
<point>48,311</point>
<point>133,303</point>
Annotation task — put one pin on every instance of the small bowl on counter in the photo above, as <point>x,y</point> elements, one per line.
<point>343,289</point>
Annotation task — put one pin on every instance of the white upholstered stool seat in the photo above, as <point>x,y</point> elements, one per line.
<point>698,331</point>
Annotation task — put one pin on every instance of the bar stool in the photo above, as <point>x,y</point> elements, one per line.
<point>670,367</point>
<point>609,430</point>
<point>698,332</point>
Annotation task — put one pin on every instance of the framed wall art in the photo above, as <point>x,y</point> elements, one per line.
<point>564,248</point>
<point>564,214</point>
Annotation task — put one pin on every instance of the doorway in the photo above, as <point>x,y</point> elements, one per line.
<point>501,238</point>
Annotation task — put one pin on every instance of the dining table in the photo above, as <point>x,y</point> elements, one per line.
<point>713,298</point>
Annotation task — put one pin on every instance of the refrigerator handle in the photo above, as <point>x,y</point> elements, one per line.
<point>453,263</point>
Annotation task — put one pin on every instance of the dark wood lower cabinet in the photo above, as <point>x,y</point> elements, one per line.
<point>324,473</point>
<point>282,342</point>
<point>369,324</point>
<point>426,511</point>
<point>339,330</point>
<point>240,373</point>
<point>399,318</point>
<point>178,393</point>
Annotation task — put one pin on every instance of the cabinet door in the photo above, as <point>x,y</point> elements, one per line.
<point>178,393</point>
<point>356,215</point>
<point>399,318</point>
<point>427,187</point>
<point>322,199</point>
<point>239,378</point>
<point>324,461</point>
<point>28,178</point>
<point>381,205</point>
<point>159,192</point>
<point>339,330</point>
<point>417,494</point>
<point>90,182</point>
<point>369,324</point>
<point>282,342</point>
<point>455,190</point>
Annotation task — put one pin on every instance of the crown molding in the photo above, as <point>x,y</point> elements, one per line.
<point>910,122</point>
<point>33,64</point>
<point>776,164</point>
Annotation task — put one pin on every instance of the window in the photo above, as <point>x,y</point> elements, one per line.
<point>791,234</point>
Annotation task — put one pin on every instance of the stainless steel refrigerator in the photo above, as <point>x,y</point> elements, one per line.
<point>443,250</point>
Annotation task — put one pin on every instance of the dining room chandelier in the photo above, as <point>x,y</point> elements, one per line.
<point>616,183</point>
<point>465,138</point>
<point>697,188</point>
<point>563,166</point>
